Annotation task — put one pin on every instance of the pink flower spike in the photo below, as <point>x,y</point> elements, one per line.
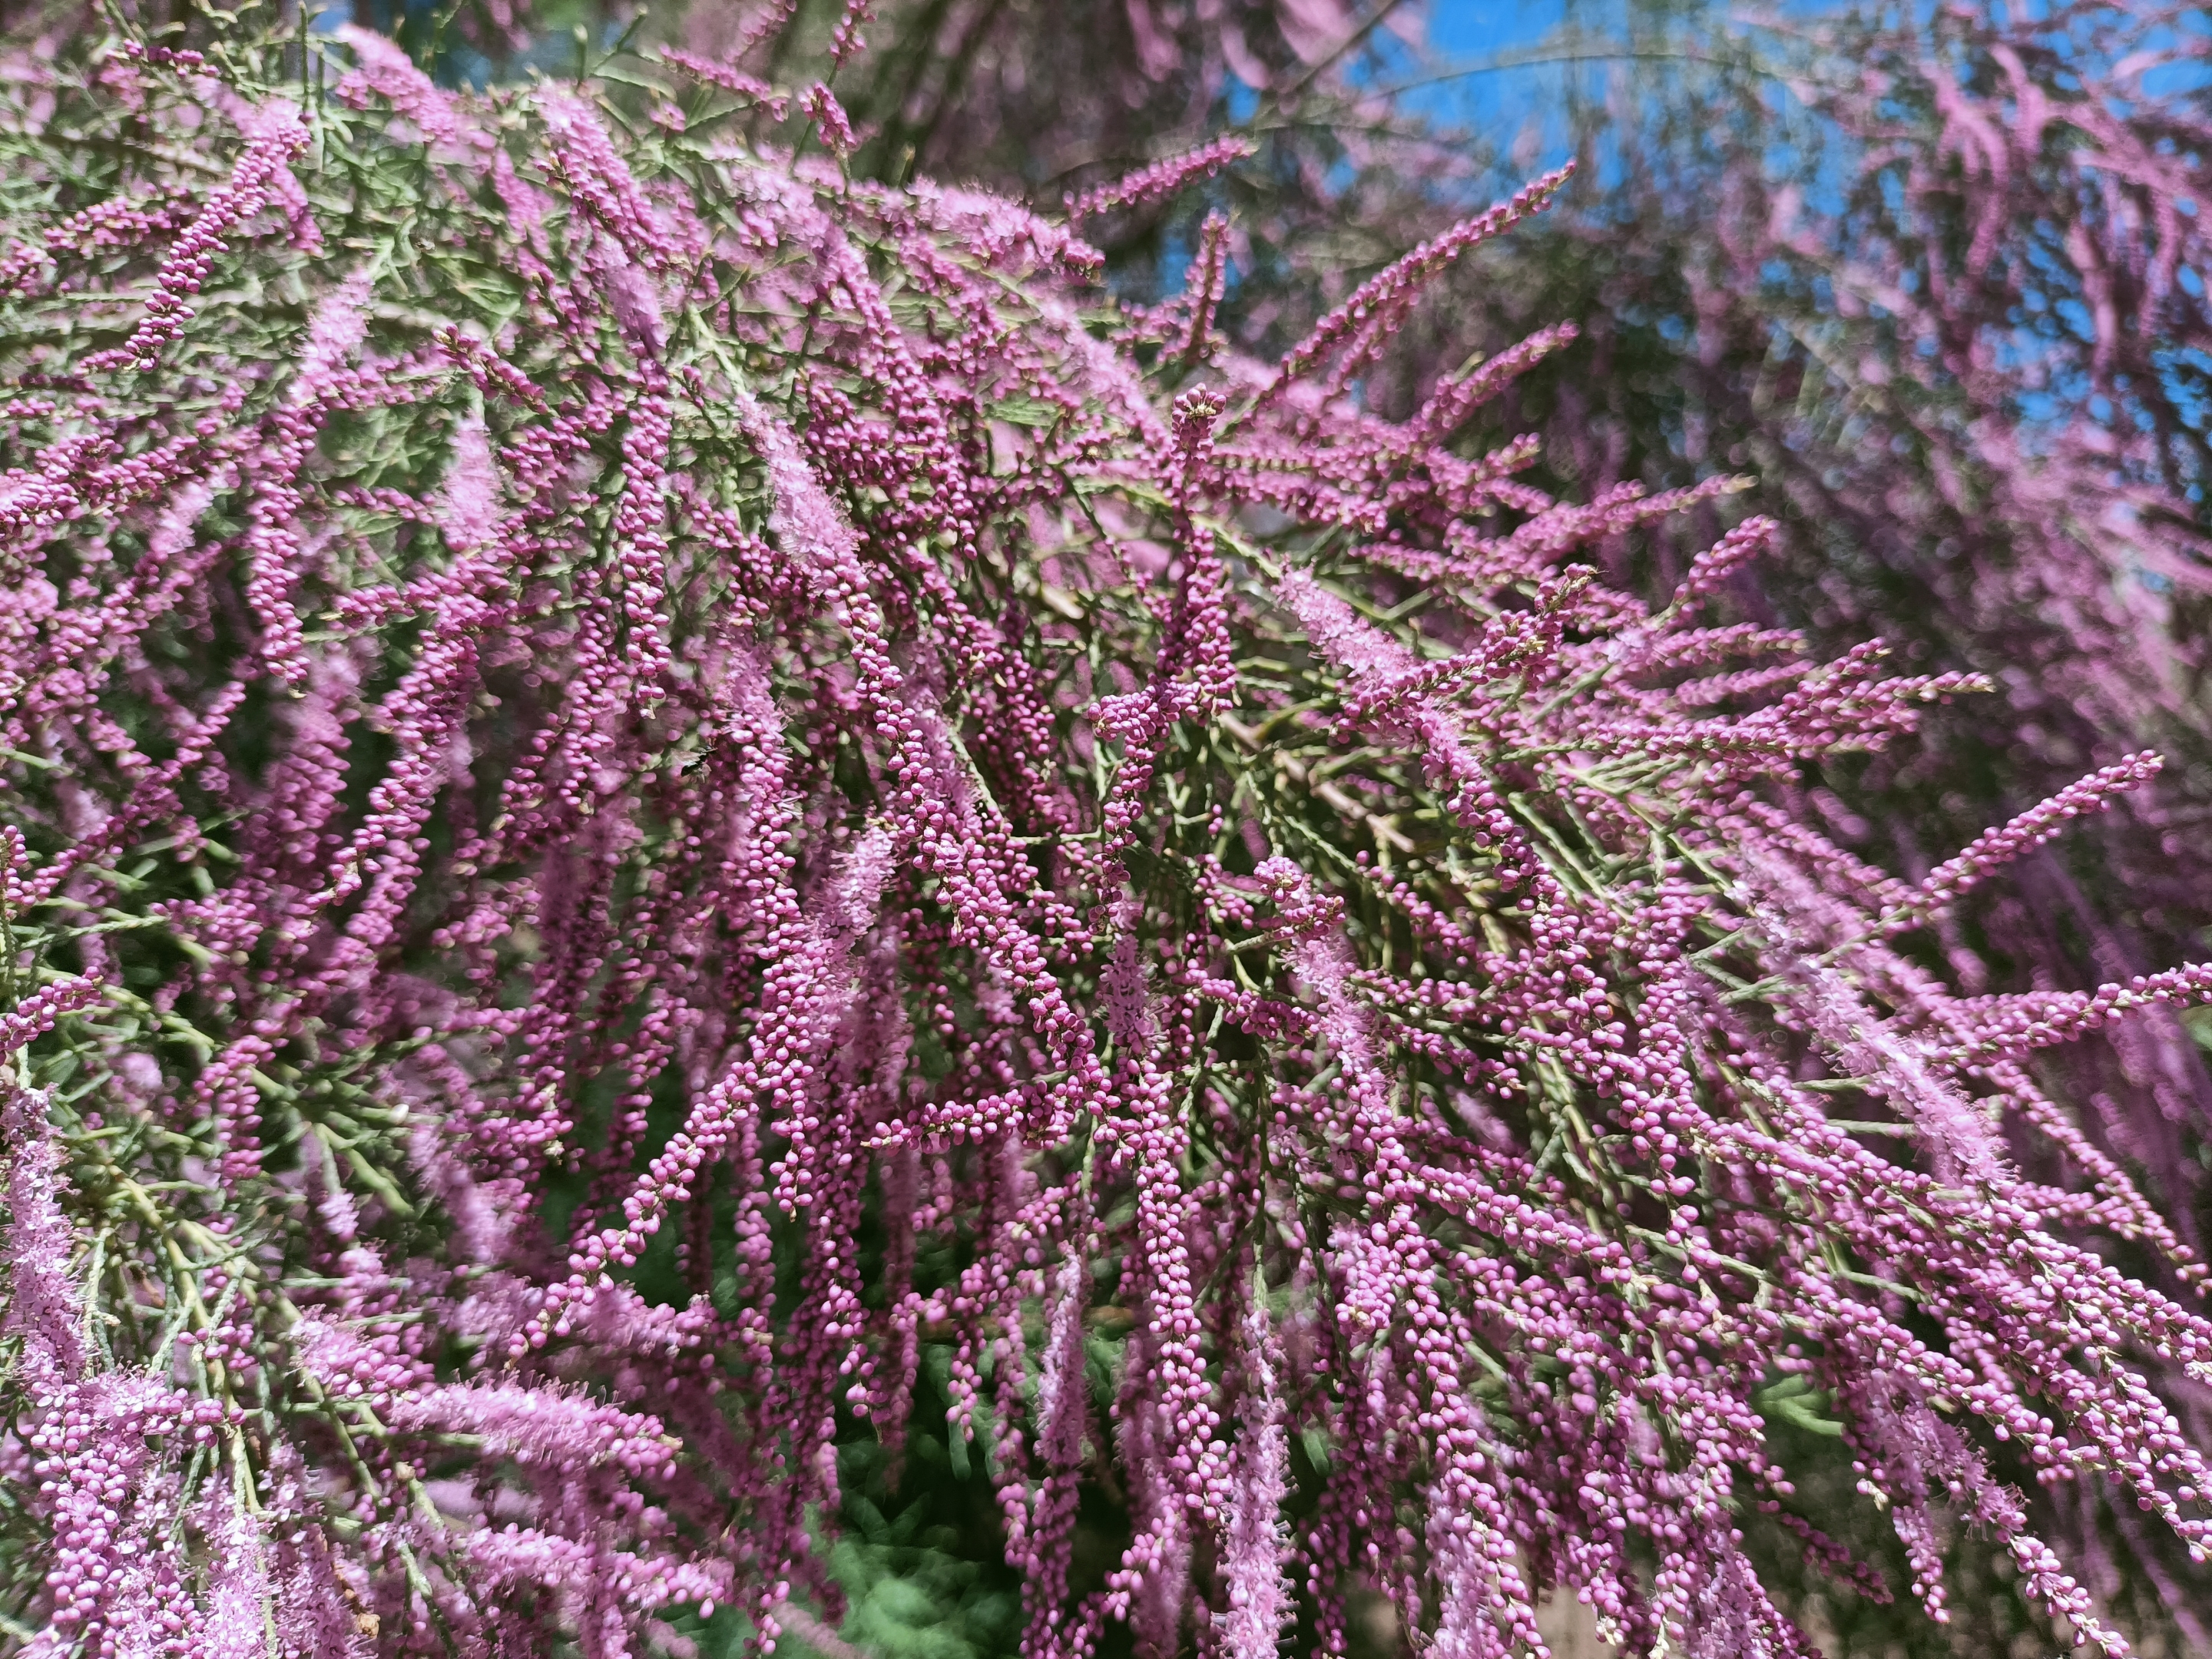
<point>1162,179</point>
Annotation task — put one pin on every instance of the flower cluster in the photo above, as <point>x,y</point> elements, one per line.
<point>653,794</point>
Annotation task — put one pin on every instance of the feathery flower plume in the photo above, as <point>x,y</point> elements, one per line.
<point>388,73</point>
<point>1379,304</point>
<point>1162,180</point>
<point>1993,849</point>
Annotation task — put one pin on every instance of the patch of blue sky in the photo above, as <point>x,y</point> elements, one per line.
<point>1533,84</point>
<point>1475,42</point>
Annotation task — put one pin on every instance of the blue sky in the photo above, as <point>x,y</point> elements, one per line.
<point>1502,100</point>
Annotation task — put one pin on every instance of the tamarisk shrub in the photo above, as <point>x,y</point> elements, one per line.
<point>644,784</point>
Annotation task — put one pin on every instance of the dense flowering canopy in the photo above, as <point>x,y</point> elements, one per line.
<point>651,792</point>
